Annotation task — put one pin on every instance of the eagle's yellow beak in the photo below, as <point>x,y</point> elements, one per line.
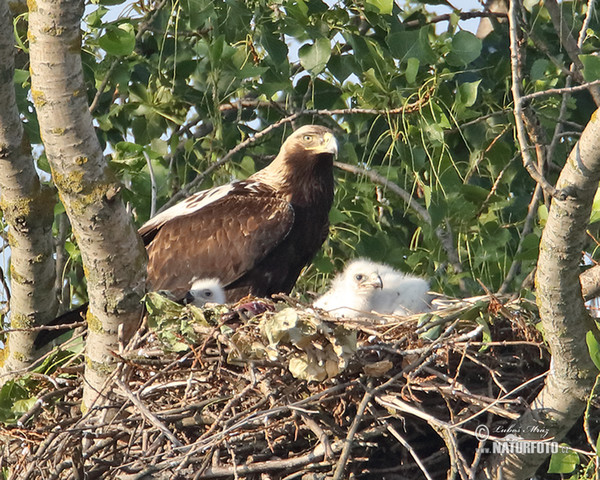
<point>327,144</point>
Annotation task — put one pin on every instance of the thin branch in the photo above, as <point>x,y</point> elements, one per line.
<point>443,233</point>
<point>518,106</point>
<point>527,229</point>
<point>572,47</point>
<point>408,447</point>
<point>68,326</point>
<point>449,16</point>
<point>143,26</point>
<point>408,108</point>
<point>343,460</point>
<point>147,413</point>
<point>559,91</point>
<point>154,188</point>
<point>381,180</point>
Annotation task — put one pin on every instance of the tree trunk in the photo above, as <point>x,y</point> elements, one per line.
<point>113,255</point>
<point>28,208</point>
<point>564,318</point>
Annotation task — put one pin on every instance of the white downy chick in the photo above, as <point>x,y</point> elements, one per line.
<point>365,286</point>
<point>351,293</point>
<point>203,291</point>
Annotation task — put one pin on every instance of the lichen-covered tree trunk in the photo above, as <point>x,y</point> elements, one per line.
<point>564,317</point>
<point>113,254</point>
<point>28,208</point>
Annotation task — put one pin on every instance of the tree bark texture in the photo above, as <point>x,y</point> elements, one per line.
<point>28,208</point>
<point>113,255</point>
<point>564,318</point>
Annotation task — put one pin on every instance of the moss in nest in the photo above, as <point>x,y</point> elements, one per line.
<point>21,207</point>
<point>31,5</point>
<point>4,352</point>
<point>39,258</point>
<point>12,240</point>
<point>54,31</point>
<point>81,160</point>
<point>105,369</point>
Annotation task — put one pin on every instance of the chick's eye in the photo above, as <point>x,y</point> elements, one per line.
<point>308,138</point>
<point>358,277</point>
<point>208,294</point>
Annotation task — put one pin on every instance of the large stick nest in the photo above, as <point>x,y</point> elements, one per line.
<point>279,391</point>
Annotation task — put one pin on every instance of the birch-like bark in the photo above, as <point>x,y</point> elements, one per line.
<point>28,208</point>
<point>564,318</point>
<point>113,255</point>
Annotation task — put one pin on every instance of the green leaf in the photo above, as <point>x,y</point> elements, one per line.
<point>591,67</point>
<point>466,48</point>
<point>595,215</point>
<point>384,6</point>
<point>314,57</point>
<point>118,40</point>
<point>593,348</point>
<point>467,93</point>
<point>412,68</point>
<point>94,19</point>
<point>276,49</point>
<point>563,462</point>
<point>538,69</point>
<point>412,44</point>
<point>21,76</point>
<point>15,400</point>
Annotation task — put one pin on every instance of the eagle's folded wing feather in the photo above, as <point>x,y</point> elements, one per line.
<point>226,247</point>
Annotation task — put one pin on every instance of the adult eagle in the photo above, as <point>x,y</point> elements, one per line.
<point>254,235</point>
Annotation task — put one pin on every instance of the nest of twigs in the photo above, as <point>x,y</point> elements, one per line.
<point>279,391</point>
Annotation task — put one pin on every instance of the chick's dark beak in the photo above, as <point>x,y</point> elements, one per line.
<point>189,298</point>
<point>373,281</point>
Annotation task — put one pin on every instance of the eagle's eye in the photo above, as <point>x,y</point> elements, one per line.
<point>359,277</point>
<point>308,138</point>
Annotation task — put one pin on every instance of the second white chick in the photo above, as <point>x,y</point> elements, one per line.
<point>365,286</point>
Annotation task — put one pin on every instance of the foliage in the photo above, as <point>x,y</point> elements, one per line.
<point>184,84</point>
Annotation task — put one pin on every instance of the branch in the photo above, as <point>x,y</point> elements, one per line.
<point>590,283</point>
<point>141,29</point>
<point>28,209</point>
<point>115,271</point>
<point>568,42</point>
<point>559,91</point>
<point>518,106</point>
<point>408,108</point>
<point>444,235</point>
<point>564,318</point>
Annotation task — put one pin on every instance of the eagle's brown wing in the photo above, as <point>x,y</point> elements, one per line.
<point>224,239</point>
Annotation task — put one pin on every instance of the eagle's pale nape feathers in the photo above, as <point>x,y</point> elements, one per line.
<point>356,292</point>
<point>254,235</point>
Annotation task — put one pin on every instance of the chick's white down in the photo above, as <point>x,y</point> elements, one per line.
<point>205,290</point>
<point>365,286</point>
